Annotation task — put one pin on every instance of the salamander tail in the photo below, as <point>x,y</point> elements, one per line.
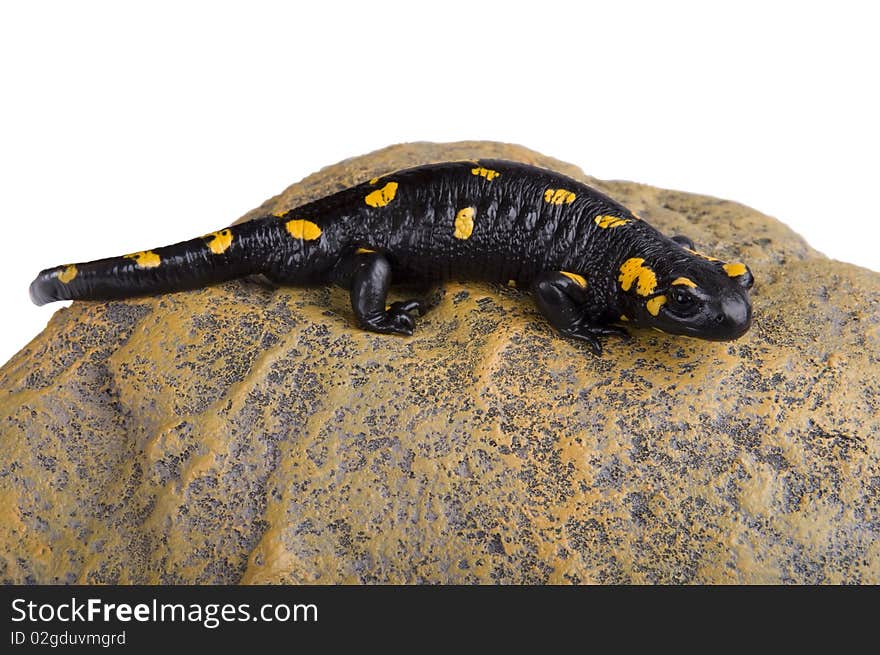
<point>227,254</point>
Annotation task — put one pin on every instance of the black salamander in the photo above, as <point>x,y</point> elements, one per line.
<point>591,264</point>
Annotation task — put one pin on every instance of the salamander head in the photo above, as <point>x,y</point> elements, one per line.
<point>684,292</point>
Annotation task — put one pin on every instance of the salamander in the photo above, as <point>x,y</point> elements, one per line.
<point>592,265</point>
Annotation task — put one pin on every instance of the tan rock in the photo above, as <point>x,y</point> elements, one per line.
<point>242,433</point>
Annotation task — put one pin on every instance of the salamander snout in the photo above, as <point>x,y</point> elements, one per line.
<point>721,316</point>
<point>732,317</point>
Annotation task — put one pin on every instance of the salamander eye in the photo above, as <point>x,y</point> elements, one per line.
<point>683,298</point>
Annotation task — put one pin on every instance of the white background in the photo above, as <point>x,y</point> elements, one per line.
<point>127,126</point>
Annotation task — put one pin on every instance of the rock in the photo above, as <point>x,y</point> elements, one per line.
<point>246,434</point>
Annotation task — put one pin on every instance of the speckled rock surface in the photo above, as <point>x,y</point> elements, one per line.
<point>244,433</point>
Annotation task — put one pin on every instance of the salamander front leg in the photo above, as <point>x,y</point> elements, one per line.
<point>683,241</point>
<point>370,276</point>
<point>427,294</point>
<point>563,301</point>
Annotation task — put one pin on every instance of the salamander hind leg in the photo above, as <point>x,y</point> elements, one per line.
<point>368,276</point>
<point>563,299</point>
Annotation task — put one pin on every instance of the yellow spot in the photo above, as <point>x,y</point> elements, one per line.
<point>280,213</point>
<point>559,196</point>
<point>363,251</point>
<point>511,283</point>
<point>734,270</point>
<point>623,318</point>
<point>485,172</point>
<point>701,255</point>
<point>683,281</point>
<point>381,197</point>
<point>219,241</point>
<point>145,259</point>
<point>610,221</point>
<point>378,178</point>
<point>654,304</point>
<point>305,230</point>
<point>464,222</point>
<point>577,278</point>
<point>633,271</point>
<point>67,274</point>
